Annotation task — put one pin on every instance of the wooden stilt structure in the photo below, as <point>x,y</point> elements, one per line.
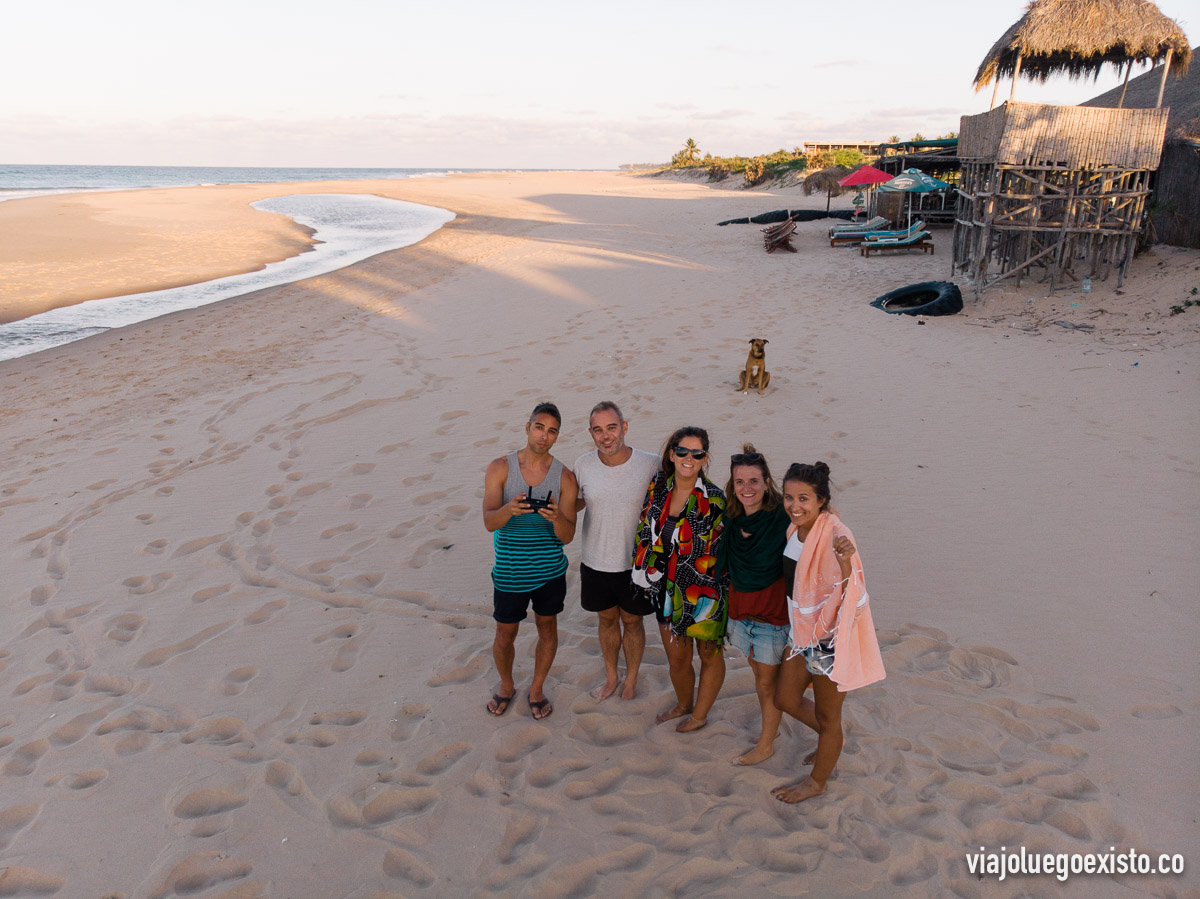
<point>1060,189</point>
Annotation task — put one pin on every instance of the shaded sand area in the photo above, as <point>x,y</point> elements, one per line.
<point>247,606</point>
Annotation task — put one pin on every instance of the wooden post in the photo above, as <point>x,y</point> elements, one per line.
<point>1017,71</point>
<point>995,88</point>
<point>1162,85</point>
<point>1125,84</point>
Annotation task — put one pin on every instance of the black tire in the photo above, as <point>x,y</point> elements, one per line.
<point>926,298</point>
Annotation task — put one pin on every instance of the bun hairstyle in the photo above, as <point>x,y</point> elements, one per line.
<point>668,458</point>
<point>815,475</point>
<point>771,499</point>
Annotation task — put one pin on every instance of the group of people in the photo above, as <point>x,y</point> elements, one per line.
<point>767,567</point>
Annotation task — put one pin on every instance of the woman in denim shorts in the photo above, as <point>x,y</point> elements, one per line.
<point>752,553</point>
<point>830,621</point>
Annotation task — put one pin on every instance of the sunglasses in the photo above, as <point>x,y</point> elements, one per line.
<point>683,452</point>
<point>745,458</point>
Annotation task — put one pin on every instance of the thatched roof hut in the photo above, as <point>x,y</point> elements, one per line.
<point>1080,37</point>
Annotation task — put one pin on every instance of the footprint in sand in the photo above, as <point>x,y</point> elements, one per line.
<point>125,628</point>
<point>201,871</point>
<point>361,500</point>
<point>223,731</point>
<point>444,759</point>
<point>164,654</point>
<point>427,498</point>
<point>142,585</point>
<point>14,819</point>
<point>83,780</point>
<point>210,801</point>
<point>460,674</point>
<point>265,612</point>
<point>408,720</point>
<point>520,743</point>
<point>401,529</point>
<point>25,758</point>
<point>110,684</point>
<point>235,681</point>
<point>347,652</point>
<point>416,479</point>
<point>450,515</point>
<point>425,550</point>
<point>209,592</point>
<point>39,595</point>
<point>330,533</point>
<point>362,468</point>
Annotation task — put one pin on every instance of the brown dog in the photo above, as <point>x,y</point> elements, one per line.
<point>755,374</point>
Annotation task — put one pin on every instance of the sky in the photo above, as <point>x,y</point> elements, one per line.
<point>475,84</point>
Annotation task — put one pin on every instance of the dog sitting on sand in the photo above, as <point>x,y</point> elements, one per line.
<point>755,373</point>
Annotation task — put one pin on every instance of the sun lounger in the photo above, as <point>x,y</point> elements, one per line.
<point>856,237</point>
<point>921,240</point>
<point>873,225</point>
<point>780,235</point>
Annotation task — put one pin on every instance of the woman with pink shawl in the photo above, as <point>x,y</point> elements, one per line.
<point>833,645</point>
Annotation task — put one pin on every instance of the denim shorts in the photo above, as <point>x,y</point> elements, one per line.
<point>819,659</point>
<point>767,641</point>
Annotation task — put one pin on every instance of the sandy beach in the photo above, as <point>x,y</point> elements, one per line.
<point>247,604</point>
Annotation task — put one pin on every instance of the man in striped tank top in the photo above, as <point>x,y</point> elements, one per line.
<point>529,506</point>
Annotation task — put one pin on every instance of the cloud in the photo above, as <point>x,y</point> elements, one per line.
<point>832,64</point>
<point>721,115</point>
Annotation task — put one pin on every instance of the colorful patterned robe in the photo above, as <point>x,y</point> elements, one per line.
<point>681,580</point>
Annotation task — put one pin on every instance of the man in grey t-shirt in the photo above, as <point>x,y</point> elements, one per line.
<point>612,488</point>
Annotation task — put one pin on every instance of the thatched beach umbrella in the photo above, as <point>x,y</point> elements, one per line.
<point>826,180</point>
<point>1081,37</point>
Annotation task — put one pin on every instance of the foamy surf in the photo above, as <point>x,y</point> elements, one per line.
<point>350,228</point>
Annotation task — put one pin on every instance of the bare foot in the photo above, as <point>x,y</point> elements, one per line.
<point>756,755</point>
<point>801,791</point>
<point>630,691</point>
<point>605,690</point>
<point>691,724</point>
<point>677,712</point>
<point>810,758</point>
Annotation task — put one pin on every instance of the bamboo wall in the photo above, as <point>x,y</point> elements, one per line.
<point>1070,137</point>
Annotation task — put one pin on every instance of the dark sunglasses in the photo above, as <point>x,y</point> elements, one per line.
<point>745,458</point>
<point>683,452</point>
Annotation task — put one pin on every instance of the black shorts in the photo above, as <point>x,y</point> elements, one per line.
<point>600,591</point>
<point>548,599</point>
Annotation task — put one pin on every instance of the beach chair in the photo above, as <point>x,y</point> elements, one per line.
<point>847,227</point>
<point>854,238</point>
<point>921,240</point>
<point>776,236</point>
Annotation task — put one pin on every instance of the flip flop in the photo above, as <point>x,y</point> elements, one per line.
<point>540,706</point>
<point>502,704</point>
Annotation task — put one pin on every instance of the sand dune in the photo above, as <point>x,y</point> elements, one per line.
<point>247,601</point>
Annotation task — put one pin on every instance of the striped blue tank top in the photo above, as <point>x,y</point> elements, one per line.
<point>528,554</point>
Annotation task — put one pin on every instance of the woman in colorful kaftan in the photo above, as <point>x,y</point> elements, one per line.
<point>674,565</point>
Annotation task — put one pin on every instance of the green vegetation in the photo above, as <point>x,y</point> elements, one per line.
<point>1176,310</point>
<point>753,169</point>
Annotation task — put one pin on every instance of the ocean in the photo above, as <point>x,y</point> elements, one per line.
<point>351,227</point>
<point>34,180</point>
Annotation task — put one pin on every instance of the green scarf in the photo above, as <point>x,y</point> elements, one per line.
<point>754,562</point>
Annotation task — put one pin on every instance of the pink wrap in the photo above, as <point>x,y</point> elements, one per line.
<point>820,611</point>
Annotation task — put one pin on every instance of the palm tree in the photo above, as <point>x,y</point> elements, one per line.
<point>826,180</point>
<point>691,152</point>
